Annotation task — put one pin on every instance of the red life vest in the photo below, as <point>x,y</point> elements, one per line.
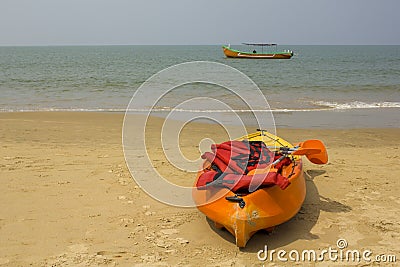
<point>233,160</point>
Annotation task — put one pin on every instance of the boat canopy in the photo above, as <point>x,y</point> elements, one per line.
<point>260,44</point>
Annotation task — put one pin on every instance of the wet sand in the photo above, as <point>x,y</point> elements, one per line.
<point>68,199</point>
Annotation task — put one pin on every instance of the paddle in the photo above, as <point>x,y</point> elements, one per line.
<point>314,150</point>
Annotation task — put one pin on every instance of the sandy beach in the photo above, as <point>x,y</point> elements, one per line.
<point>68,199</point>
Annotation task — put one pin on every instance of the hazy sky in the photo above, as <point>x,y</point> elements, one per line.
<point>46,22</point>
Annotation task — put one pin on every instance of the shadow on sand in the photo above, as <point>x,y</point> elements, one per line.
<point>298,227</point>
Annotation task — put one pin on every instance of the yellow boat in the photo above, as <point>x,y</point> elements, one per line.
<point>243,214</point>
<point>232,53</point>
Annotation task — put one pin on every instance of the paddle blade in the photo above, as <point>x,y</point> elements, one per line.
<point>320,157</point>
<point>306,151</point>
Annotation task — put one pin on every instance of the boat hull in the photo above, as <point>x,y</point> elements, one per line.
<point>262,209</point>
<point>230,53</point>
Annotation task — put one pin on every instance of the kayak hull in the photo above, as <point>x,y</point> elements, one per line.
<point>244,215</point>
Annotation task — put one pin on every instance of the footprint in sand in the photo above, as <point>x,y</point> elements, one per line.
<point>4,261</point>
<point>118,254</point>
<point>78,248</point>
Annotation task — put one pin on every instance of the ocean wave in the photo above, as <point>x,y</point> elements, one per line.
<point>357,105</point>
<point>159,110</point>
<point>62,109</point>
<point>320,106</point>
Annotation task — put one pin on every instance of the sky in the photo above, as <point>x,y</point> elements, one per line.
<point>185,22</point>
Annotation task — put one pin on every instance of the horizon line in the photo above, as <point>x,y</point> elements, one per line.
<point>60,45</point>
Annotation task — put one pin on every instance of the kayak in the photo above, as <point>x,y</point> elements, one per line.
<point>244,212</point>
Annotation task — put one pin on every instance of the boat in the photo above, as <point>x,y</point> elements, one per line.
<point>232,53</point>
<point>244,212</point>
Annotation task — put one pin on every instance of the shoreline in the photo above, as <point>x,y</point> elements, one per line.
<point>385,118</point>
<point>68,198</point>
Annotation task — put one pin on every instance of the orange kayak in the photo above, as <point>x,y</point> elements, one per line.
<point>243,214</point>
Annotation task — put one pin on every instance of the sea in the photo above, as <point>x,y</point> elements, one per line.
<point>329,86</point>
